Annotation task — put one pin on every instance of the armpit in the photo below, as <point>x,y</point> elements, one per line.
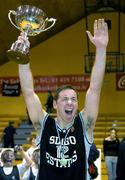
<point>37,127</point>
<point>89,128</point>
<point>89,123</point>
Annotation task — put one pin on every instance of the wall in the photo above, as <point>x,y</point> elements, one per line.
<point>64,54</point>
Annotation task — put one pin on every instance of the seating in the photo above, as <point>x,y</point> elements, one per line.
<point>23,131</point>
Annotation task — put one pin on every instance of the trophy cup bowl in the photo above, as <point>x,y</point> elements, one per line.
<point>32,21</point>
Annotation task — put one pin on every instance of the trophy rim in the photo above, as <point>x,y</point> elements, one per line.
<point>23,12</point>
<point>30,7</point>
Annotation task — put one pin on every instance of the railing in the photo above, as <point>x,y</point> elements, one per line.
<point>105,122</point>
<point>114,62</point>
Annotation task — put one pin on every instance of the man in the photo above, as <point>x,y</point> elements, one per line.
<point>120,170</point>
<point>8,136</point>
<point>65,141</point>
<point>10,171</point>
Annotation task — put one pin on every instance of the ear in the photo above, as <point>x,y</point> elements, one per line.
<point>54,104</point>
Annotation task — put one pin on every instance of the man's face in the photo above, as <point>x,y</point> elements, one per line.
<point>8,157</point>
<point>66,106</point>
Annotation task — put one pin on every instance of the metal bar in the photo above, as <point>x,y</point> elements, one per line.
<point>86,23</point>
<point>119,23</point>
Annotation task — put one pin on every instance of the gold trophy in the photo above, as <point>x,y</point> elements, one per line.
<point>31,21</point>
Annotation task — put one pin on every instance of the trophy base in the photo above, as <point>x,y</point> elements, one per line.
<point>18,57</point>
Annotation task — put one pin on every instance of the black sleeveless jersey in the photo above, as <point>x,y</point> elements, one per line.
<point>50,152</point>
<point>13,176</point>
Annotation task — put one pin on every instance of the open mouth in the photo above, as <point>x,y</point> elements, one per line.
<point>68,111</point>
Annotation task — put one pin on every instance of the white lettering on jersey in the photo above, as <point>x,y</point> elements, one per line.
<point>56,161</point>
<point>68,140</point>
<point>65,144</point>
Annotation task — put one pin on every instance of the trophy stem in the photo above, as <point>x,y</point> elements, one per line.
<point>27,29</point>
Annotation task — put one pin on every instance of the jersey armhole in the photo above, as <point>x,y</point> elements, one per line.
<point>42,125</point>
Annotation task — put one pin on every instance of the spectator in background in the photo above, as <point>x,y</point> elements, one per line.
<point>8,136</point>
<point>49,102</point>
<point>110,150</point>
<point>120,170</point>
<point>32,171</point>
<point>9,171</point>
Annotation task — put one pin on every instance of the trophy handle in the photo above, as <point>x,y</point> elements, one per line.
<point>9,16</point>
<point>49,20</point>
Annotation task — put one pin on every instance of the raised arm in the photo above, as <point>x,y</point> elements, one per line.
<point>100,40</point>
<point>33,103</point>
<point>28,159</point>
